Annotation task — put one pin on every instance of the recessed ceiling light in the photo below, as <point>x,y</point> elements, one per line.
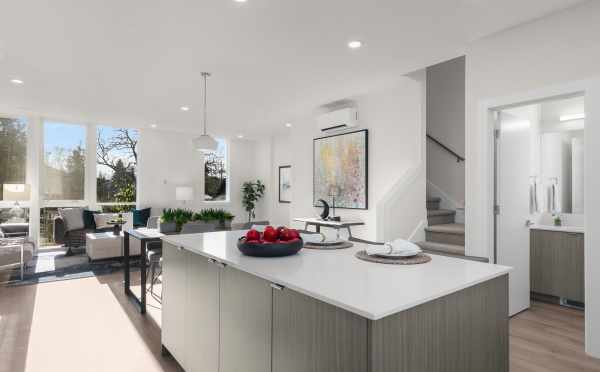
<point>288,125</point>
<point>153,125</point>
<point>184,108</point>
<point>240,1</point>
<point>572,117</point>
<point>240,136</point>
<point>354,44</point>
<point>17,81</point>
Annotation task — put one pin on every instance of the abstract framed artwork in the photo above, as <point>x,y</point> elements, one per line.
<point>285,184</point>
<point>341,169</point>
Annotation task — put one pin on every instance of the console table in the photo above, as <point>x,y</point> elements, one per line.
<point>318,223</point>
<point>145,236</point>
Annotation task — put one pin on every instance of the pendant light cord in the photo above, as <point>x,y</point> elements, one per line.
<point>205,75</point>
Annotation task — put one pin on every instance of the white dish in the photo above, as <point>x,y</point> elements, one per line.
<point>400,254</point>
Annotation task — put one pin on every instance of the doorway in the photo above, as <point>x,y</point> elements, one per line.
<point>538,200</point>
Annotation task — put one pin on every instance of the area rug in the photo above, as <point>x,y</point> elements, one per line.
<point>52,266</point>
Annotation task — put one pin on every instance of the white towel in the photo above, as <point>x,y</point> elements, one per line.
<point>312,238</point>
<point>398,246</point>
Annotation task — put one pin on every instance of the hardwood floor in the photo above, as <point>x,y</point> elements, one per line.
<point>89,325</point>
<point>549,338</point>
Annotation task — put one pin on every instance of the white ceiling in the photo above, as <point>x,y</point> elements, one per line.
<point>136,62</point>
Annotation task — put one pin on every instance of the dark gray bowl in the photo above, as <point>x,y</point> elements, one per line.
<point>269,249</point>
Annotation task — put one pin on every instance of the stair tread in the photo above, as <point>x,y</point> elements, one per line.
<point>442,247</point>
<point>447,228</point>
<point>433,199</point>
<point>440,212</point>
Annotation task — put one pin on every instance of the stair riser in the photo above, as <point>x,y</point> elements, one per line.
<point>438,220</point>
<point>433,204</point>
<point>439,237</point>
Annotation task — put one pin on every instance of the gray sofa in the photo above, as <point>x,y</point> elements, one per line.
<point>74,240</point>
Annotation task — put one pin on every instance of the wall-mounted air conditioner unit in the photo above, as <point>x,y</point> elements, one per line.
<point>338,120</point>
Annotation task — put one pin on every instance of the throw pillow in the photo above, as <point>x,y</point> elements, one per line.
<point>140,217</point>
<point>88,219</point>
<point>101,220</point>
<point>73,218</point>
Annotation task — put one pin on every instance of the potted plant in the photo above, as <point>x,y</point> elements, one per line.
<point>218,217</point>
<point>172,220</point>
<point>252,192</point>
<point>166,222</point>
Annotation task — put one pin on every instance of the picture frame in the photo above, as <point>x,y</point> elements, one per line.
<point>285,185</point>
<point>341,162</point>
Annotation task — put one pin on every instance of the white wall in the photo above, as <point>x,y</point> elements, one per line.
<point>167,160</point>
<point>556,51</point>
<point>446,123</point>
<point>394,118</point>
<point>282,154</point>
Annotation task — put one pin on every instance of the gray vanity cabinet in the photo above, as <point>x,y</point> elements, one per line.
<point>312,336</point>
<point>557,264</point>
<point>245,322</point>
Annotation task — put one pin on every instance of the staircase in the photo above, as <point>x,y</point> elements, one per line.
<point>443,235</point>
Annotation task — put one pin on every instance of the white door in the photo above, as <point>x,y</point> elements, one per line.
<point>512,182</point>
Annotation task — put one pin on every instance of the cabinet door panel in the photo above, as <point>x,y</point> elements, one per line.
<point>245,322</point>
<point>571,266</point>
<point>173,300</point>
<point>311,336</point>
<point>557,264</point>
<point>202,315</point>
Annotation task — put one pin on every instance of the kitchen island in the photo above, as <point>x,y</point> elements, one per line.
<point>327,311</point>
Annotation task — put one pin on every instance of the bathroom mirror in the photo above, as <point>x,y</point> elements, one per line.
<point>561,131</point>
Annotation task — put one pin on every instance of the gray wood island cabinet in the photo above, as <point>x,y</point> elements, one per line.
<point>224,312</point>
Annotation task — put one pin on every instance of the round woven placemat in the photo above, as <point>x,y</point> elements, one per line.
<point>342,245</point>
<point>420,258</point>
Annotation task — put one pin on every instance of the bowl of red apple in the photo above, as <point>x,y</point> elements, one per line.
<point>272,242</point>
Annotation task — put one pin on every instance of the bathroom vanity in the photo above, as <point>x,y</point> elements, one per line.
<point>327,311</point>
<point>557,262</point>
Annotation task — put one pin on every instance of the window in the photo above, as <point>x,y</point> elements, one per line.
<point>64,161</point>
<point>116,158</point>
<point>215,173</point>
<point>13,151</point>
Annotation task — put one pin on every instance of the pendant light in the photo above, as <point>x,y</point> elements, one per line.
<point>204,143</point>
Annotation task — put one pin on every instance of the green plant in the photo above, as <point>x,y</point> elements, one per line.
<point>212,214</point>
<point>251,194</point>
<point>178,215</point>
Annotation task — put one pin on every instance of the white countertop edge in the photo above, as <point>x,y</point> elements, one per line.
<point>364,314</point>
<point>572,229</point>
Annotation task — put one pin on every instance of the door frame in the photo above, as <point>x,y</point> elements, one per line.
<point>483,245</point>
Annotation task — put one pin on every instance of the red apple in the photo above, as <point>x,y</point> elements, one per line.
<point>270,235</point>
<point>286,235</point>
<point>252,235</point>
<point>280,230</point>
<point>252,241</point>
<point>293,234</point>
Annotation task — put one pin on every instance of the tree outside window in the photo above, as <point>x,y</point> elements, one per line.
<point>116,154</point>
<point>13,151</point>
<point>215,173</point>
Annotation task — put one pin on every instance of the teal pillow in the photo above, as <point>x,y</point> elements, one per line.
<point>88,219</point>
<point>140,217</point>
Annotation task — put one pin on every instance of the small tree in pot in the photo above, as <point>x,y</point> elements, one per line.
<point>251,194</point>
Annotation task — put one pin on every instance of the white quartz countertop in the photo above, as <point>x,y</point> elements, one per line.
<point>336,277</point>
<point>573,229</point>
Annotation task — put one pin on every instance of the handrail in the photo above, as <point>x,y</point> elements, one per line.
<point>458,157</point>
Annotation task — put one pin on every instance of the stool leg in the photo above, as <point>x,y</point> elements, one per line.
<point>152,271</point>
